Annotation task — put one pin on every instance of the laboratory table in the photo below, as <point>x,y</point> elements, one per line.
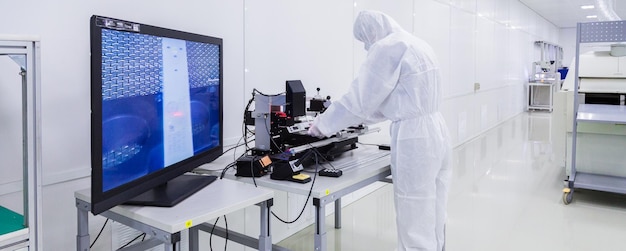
<point>361,167</point>
<point>164,224</point>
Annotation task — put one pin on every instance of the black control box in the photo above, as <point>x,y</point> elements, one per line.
<point>249,165</point>
<point>330,172</point>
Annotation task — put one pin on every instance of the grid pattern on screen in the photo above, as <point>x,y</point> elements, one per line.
<point>120,155</point>
<point>203,62</point>
<point>131,64</point>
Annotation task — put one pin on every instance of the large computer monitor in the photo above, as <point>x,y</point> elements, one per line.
<point>156,112</point>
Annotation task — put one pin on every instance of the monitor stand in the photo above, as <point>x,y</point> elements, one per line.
<point>173,192</point>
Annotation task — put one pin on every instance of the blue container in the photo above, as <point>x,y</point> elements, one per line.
<point>563,72</point>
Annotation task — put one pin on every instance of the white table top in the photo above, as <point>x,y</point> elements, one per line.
<point>218,198</point>
<point>602,113</point>
<point>12,37</point>
<point>357,165</point>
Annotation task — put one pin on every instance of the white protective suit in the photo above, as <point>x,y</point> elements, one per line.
<point>399,81</point>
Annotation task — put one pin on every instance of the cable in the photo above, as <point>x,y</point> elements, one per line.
<point>226,241</point>
<point>211,235</point>
<point>238,145</point>
<point>226,169</point>
<point>269,95</point>
<point>235,151</point>
<point>307,198</point>
<point>271,139</point>
<point>252,173</point>
<point>245,129</point>
<point>232,164</point>
<point>131,241</point>
<point>245,133</point>
<point>230,149</point>
<point>98,236</point>
<point>322,155</point>
<point>213,229</point>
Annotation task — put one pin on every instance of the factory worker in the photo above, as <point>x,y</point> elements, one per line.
<point>399,81</point>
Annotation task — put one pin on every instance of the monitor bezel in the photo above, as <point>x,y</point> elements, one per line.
<point>104,200</point>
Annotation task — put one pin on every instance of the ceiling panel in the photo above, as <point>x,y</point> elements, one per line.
<point>566,13</point>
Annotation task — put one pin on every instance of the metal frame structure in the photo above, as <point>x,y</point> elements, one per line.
<point>537,87</point>
<point>29,48</point>
<point>594,32</point>
<point>545,51</point>
<point>541,85</point>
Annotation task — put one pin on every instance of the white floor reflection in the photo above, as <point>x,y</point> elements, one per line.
<point>506,195</point>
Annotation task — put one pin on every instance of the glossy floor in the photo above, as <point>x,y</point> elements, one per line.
<point>506,194</point>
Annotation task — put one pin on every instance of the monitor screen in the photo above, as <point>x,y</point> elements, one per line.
<point>156,107</point>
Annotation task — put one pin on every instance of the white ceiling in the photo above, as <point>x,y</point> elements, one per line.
<point>566,13</point>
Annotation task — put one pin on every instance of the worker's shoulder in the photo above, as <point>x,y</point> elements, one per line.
<point>396,40</point>
<point>402,41</point>
<point>392,45</point>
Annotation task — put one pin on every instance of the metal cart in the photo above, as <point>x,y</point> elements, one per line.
<point>594,32</point>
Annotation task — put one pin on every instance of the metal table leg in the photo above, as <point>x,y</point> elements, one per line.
<point>265,239</point>
<point>169,247</point>
<point>338,213</point>
<point>82,236</point>
<point>320,225</point>
<point>194,237</point>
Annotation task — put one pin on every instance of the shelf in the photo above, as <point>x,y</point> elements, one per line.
<point>536,107</point>
<point>10,221</point>
<point>546,84</point>
<point>600,182</point>
<point>15,239</point>
<point>612,114</point>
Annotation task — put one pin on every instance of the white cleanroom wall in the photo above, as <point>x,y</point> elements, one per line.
<point>485,62</point>
<point>489,42</point>
<point>567,40</point>
<point>306,40</point>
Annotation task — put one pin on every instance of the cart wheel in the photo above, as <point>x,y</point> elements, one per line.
<point>567,196</point>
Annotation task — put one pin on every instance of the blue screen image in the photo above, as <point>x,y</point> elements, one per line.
<point>160,103</point>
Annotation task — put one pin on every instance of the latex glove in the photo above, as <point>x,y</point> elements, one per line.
<point>313,130</point>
